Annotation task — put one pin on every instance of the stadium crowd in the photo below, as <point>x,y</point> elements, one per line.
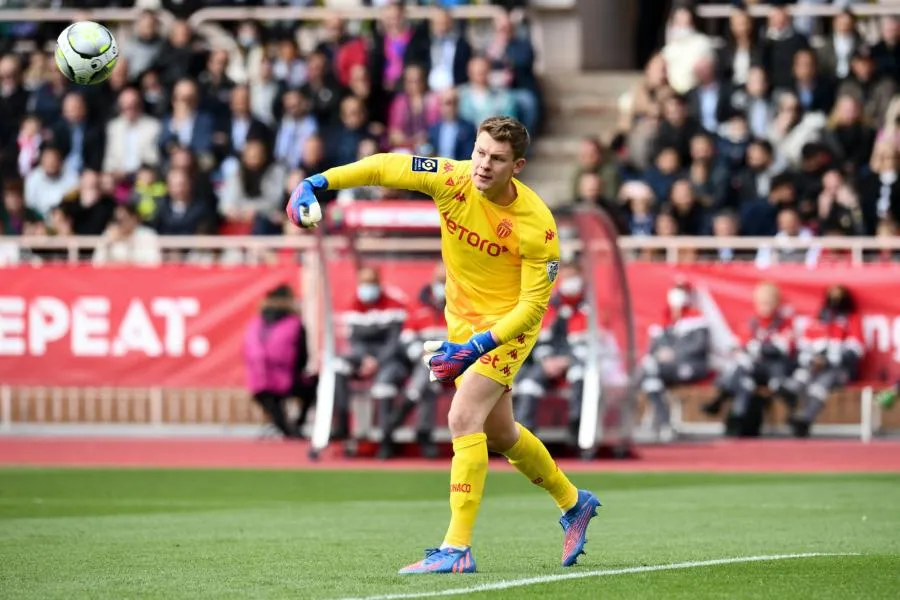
<point>185,139</point>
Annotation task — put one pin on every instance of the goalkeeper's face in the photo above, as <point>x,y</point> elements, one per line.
<point>493,164</point>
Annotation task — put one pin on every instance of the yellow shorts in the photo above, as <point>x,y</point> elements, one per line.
<point>500,364</point>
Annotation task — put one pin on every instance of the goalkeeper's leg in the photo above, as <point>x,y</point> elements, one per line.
<point>529,455</point>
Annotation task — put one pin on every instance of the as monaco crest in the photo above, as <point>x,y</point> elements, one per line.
<point>504,228</point>
<point>552,270</point>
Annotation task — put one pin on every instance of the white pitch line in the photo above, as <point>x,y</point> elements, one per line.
<point>513,583</point>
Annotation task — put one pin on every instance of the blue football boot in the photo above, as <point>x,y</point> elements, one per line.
<point>448,560</point>
<point>575,523</point>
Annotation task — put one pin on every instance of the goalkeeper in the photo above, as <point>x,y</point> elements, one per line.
<point>500,247</point>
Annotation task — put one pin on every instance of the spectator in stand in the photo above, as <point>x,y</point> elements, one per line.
<point>831,350</point>
<point>849,136</point>
<point>91,209</point>
<point>880,189</point>
<point>289,69</point>
<point>215,87</point>
<point>791,130</point>
<point>374,99</point>
<point>512,68</point>
<point>46,101</point>
<point>47,184</point>
<point>872,90</point>
<point>143,50</point>
<point>779,46</point>
<point>725,225</point>
<point>181,212</point>
<point>241,126</point>
<point>835,55</point>
<point>425,322</point>
<point>296,127</point>
<point>708,174</point>
<point>886,53</point>
<point>678,353</point>
<point>593,158</point>
<point>789,228</point>
<point>708,102</point>
<point>412,112</point>
<point>442,50</point>
<point>741,50</point>
<point>127,242</point>
<point>388,54</point>
<point>478,99</point>
<point>148,193</point>
<point>188,126</point>
<point>14,214</point>
<point>201,184</point>
<point>683,205</point>
<point>342,141</point>
<point>13,96</point>
<point>636,199</point>
<point>647,94</point>
<point>264,93</point>
<point>130,138</point>
<point>322,89</point>
<point>156,96</point>
<point>684,47</point>
<point>759,217</point>
<point>80,141</point>
<point>752,183</point>
<point>665,170</point>
<point>677,128</point>
<point>760,364</point>
<point>452,136</point>
<point>29,143</point>
<point>753,101</point>
<point>375,323</point>
<point>838,206</point>
<point>814,90</point>
<point>252,193</point>
<point>344,51</point>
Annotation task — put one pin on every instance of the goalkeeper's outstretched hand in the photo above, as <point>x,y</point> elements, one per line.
<point>303,208</point>
<point>447,360</point>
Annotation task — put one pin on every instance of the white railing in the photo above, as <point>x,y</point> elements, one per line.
<point>722,11</point>
<point>287,13</point>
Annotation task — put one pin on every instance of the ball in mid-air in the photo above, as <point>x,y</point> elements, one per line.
<point>86,52</point>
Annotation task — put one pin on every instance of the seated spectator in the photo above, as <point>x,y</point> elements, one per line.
<point>838,206</point>
<point>684,47</point>
<point>144,47</point>
<point>178,59</point>
<point>759,218</point>
<point>647,94</point>
<point>242,126</point>
<point>814,90</point>
<point>374,99</point>
<point>48,183</point>
<point>779,46</point>
<point>14,214</point>
<point>708,174</point>
<point>479,100</point>
<point>709,101</point>
<point>264,93</point>
<point>322,90</point>
<point>344,51</point>
<point>297,125</point>
<point>375,323</point>
<point>678,354</point>
<point>741,50</point>
<point>147,193</point>
<point>425,322</point>
<point>215,86</point>
<point>29,143</point>
<point>683,205</point>
<point>390,44</point>
<point>46,101</point>
<point>880,189</point>
<point>665,170</point>
<point>886,53</point>
<point>80,141</point>
<point>443,50</point>
<point>732,141</point>
<point>275,358</point>
<point>753,101</point>
<point>870,89</point>
<point>156,96</point>
<point>593,158</point>
<point>835,55</point>
<point>636,198</point>
<point>451,137</point>
<point>188,126</point>
<point>512,66</point>
<point>253,192</point>
<point>790,229</point>
<point>677,128</point>
<point>342,141</point>
<point>791,130</point>
<point>830,352</point>
<point>725,224</point>
<point>759,364</point>
<point>127,242</point>
<point>181,212</point>
<point>849,137</point>
<point>90,208</point>
<point>131,138</point>
<point>413,111</point>
<point>753,182</point>
<point>289,68</point>
<point>201,184</point>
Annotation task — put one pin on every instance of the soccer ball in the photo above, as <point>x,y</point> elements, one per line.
<point>86,52</point>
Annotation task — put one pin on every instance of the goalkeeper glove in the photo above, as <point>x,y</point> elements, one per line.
<point>447,360</point>
<point>303,209</point>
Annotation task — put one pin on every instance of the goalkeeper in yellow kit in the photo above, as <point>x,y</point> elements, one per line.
<point>500,247</point>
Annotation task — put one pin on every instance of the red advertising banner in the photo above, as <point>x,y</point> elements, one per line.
<point>725,294</point>
<point>174,326</point>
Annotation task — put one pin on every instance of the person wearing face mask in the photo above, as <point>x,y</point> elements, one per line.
<point>830,353</point>
<point>375,322</point>
<point>762,360</point>
<point>426,321</point>
<point>679,354</point>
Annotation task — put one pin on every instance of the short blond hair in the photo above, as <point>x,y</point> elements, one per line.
<point>510,130</point>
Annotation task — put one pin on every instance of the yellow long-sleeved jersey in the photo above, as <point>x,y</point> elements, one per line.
<point>501,261</point>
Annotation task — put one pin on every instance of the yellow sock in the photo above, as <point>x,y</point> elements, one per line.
<point>468,471</point>
<point>533,460</point>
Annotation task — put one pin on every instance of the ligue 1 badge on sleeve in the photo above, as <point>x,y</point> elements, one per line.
<point>552,270</point>
<point>421,164</point>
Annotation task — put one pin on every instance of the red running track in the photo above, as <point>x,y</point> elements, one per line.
<point>787,456</point>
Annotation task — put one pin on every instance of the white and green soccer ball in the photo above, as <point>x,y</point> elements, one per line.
<point>86,52</point>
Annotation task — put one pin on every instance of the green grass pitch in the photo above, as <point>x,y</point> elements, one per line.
<point>170,534</point>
